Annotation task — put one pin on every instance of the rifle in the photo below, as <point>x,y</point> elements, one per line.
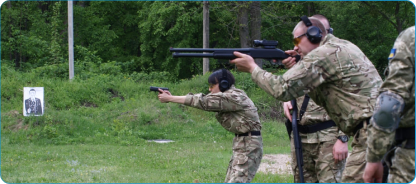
<point>268,51</point>
<point>156,89</point>
<point>296,140</point>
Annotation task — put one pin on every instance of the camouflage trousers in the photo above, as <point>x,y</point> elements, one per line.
<point>401,162</point>
<point>318,163</point>
<point>246,158</point>
<point>354,168</point>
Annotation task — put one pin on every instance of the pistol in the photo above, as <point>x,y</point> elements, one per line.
<point>156,89</point>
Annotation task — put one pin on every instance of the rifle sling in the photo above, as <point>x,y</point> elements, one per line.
<point>288,124</point>
<point>304,105</point>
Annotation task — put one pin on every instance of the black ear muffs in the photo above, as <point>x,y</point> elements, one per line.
<point>313,33</point>
<point>224,84</point>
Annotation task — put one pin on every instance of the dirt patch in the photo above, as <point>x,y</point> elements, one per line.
<point>115,94</point>
<point>19,125</point>
<point>19,122</point>
<point>12,113</point>
<point>276,164</point>
<point>89,104</point>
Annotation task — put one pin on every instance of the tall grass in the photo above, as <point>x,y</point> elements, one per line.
<point>96,129</point>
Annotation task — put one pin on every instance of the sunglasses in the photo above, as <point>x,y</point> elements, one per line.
<point>296,40</point>
<point>211,85</point>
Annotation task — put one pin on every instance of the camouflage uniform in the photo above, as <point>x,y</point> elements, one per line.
<point>318,162</point>
<point>339,77</point>
<point>401,81</point>
<point>237,114</point>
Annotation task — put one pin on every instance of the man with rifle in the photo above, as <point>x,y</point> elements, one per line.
<point>324,146</point>
<point>336,74</point>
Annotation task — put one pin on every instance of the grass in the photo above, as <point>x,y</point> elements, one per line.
<point>184,161</point>
<point>95,130</point>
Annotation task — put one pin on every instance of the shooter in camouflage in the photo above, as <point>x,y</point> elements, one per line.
<point>337,76</point>
<point>318,147</point>
<point>393,122</point>
<point>324,147</point>
<point>237,114</point>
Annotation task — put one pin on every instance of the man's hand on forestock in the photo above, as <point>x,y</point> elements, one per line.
<point>373,172</point>
<point>290,61</point>
<point>244,62</point>
<point>287,106</point>
<point>340,151</point>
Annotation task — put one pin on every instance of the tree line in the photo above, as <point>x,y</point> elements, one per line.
<point>136,35</point>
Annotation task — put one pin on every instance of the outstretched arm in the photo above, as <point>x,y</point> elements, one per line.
<point>165,97</point>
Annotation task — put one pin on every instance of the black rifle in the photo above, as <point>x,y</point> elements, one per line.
<point>268,51</point>
<point>156,89</point>
<point>296,140</point>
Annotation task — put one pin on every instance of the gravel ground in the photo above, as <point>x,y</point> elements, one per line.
<point>276,164</point>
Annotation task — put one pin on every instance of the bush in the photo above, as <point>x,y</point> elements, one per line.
<point>112,107</point>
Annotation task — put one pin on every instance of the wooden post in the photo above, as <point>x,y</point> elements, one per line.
<point>205,39</point>
<point>70,40</point>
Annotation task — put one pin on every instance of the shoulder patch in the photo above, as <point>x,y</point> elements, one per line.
<point>392,53</point>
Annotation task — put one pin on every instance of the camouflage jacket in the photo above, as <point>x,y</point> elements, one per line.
<point>401,81</point>
<point>337,76</point>
<point>315,114</point>
<point>235,111</point>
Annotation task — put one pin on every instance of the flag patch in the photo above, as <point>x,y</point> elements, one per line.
<point>392,53</point>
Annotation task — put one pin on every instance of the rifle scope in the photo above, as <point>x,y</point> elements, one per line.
<point>267,44</point>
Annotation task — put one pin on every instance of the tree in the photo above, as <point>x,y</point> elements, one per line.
<point>396,13</point>
<point>372,26</point>
<point>205,35</point>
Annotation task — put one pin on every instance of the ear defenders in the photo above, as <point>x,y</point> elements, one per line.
<point>313,33</point>
<point>224,84</point>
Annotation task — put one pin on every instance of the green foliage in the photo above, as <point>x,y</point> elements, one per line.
<point>162,26</point>
<point>59,70</point>
<point>136,36</point>
<point>55,50</point>
<point>102,106</point>
<point>152,76</point>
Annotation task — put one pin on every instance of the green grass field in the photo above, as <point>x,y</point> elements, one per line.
<point>202,159</point>
<point>96,130</point>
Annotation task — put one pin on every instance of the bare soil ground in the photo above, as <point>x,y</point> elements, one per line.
<point>276,164</point>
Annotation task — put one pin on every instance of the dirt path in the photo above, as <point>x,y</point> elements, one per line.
<point>276,164</point>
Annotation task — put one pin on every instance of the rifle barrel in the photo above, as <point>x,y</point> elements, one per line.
<point>207,55</point>
<point>208,49</point>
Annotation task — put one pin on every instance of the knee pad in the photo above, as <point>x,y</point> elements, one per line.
<point>387,112</point>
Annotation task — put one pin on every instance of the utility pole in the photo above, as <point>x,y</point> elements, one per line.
<point>71,40</point>
<point>205,33</point>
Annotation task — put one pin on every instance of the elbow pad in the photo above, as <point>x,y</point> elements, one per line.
<point>387,112</point>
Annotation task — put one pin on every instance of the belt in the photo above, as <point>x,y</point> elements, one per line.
<point>252,133</point>
<point>316,127</point>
